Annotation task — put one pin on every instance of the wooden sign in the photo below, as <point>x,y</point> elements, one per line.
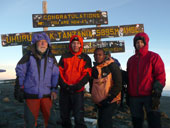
<point>86,33</point>
<point>69,19</point>
<point>88,48</point>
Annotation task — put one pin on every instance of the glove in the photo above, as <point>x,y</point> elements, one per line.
<point>105,102</point>
<point>73,88</point>
<point>156,94</point>
<point>65,86</point>
<point>19,95</point>
<point>69,89</point>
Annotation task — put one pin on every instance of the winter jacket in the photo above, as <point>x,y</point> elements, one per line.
<point>38,76</point>
<point>144,68</point>
<point>75,68</point>
<point>106,82</point>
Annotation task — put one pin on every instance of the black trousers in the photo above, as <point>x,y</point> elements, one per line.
<point>105,115</point>
<point>136,107</point>
<point>72,103</point>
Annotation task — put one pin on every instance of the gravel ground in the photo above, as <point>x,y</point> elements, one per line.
<point>11,111</point>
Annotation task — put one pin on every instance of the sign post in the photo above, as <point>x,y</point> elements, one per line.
<point>45,12</point>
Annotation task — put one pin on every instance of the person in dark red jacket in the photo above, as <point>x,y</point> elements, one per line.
<point>75,71</point>
<point>146,79</point>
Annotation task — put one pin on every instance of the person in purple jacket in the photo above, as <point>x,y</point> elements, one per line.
<point>37,75</point>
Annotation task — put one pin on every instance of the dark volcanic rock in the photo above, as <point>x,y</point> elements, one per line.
<point>12,112</point>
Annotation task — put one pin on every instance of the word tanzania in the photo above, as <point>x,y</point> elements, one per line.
<point>87,33</point>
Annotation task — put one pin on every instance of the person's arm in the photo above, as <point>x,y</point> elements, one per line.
<point>21,69</point>
<point>86,74</point>
<point>159,70</point>
<point>117,80</point>
<point>55,76</point>
<point>62,82</point>
<point>159,80</point>
<point>92,78</point>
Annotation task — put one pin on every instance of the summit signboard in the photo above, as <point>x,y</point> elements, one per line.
<point>88,47</point>
<point>85,33</point>
<point>69,19</point>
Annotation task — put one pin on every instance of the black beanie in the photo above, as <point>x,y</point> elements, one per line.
<point>75,39</point>
<point>140,38</point>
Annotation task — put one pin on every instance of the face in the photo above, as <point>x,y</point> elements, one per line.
<point>42,46</point>
<point>75,45</point>
<point>139,44</point>
<point>99,56</point>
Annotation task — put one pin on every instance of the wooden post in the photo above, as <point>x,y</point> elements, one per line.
<point>45,12</point>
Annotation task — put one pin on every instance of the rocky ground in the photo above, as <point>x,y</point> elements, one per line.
<point>11,111</point>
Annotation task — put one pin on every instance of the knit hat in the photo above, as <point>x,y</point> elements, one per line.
<point>75,39</point>
<point>141,36</point>
<point>40,36</point>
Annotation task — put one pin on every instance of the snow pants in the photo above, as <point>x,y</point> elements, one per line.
<point>105,115</point>
<point>137,112</point>
<point>72,103</point>
<point>31,112</point>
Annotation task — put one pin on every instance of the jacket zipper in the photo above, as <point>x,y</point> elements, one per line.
<point>138,76</point>
<point>73,65</point>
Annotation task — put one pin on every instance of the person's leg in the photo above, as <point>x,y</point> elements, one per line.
<point>48,113</point>
<point>153,116</point>
<point>105,115</point>
<point>78,109</point>
<point>65,109</point>
<point>136,109</point>
<point>31,111</point>
<point>122,97</point>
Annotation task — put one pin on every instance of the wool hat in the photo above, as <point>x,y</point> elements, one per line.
<point>75,39</point>
<point>141,36</point>
<point>40,36</point>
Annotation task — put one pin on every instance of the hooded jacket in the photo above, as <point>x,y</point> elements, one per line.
<point>106,82</point>
<point>38,76</point>
<point>144,68</point>
<point>75,68</point>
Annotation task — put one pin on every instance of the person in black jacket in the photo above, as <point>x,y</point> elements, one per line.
<point>105,87</point>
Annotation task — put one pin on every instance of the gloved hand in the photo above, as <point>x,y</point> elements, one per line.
<point>156,94</point>
<point>73,88</point>
<point>19,94</point>
<point>65,86</point>
<point>69,89</point>
<point>105,102</point>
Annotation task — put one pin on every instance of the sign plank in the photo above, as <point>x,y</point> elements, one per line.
<point>88,48</point>
<point>69,19</point>
<point>86,33</point>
